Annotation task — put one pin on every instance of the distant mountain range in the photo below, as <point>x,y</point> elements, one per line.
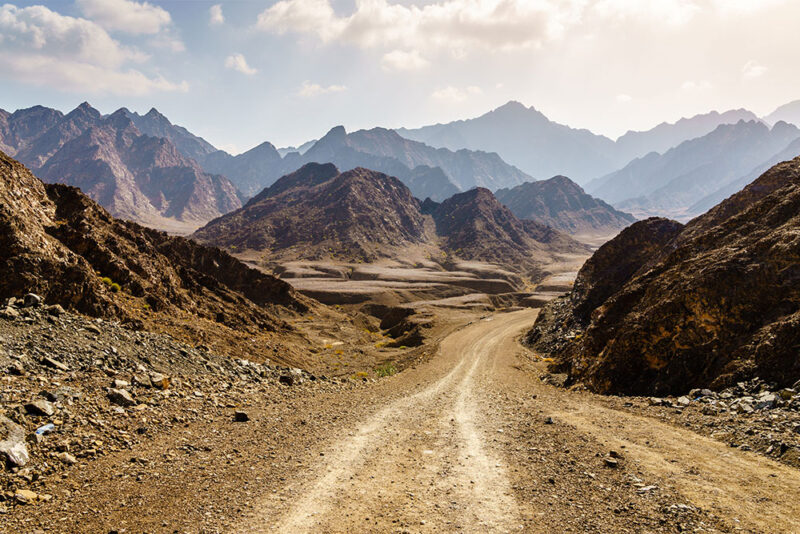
<point>182,181</point>
<point>133,175</point>
<point>429,172</point>
<point>564,205</point>
<point>540,147</point>
<point>671,183</point>
<point>361,215</point>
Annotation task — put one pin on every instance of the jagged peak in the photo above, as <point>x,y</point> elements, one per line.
<point>84,110</point>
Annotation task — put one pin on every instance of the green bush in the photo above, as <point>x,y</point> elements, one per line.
<point>385,369</point>
<point>106,280</point>
<point>115,287</point>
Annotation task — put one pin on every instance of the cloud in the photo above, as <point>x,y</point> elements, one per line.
<point>451,24</point>
<point>125,15</point>
<point>454,95</point>
<point>42,47</point>
<point>623,98</point>
<point>238,63</point>
<point>691,85</point>
<point>310,90</point>
<point>753,69</point>
<point>168,42</point>
<point>400,60</point>
<point>215,16</point>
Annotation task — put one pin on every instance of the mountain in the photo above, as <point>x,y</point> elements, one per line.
<point>361,215</point>
<point>787,113</point>
<point>562,204</point>
<point>707,305</point>
<point>60,244</point>
<point>527,139</point>
<point>135,176</point>
<point>415,164</point>
<point>302,149</point>
<point>249,171</point>
<point>154,124</point>
<point>320,212</point>
<point>668,135</point>
<point>708,202</point>
<point>474,225</point>
<point>669,184</point>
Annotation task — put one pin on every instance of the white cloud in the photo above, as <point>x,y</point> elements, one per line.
<point>310,90</point>
<point>215,16</point>
<point>84,77</point>
<point>125,15</point>
<point>624,99</point>
<point>691,85</point>
<point>451,24</point>
<point>42,47</point>
<point>400,60</point>
<point>753,69</point>
<point>238,63</point>
<point>168,42</point>
<point>454,95</point>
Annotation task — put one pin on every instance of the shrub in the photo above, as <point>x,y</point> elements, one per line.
<point>115,287</point>
<point>106,280</point>
<point>385,369</point>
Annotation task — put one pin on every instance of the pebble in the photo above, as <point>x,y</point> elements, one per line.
<point>40,408</point>
<point>121,397</point>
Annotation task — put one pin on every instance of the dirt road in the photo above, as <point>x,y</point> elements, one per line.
<point>430,460</point>
<point>469,441</point>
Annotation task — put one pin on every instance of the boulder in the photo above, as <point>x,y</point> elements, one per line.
<point>12,442</point>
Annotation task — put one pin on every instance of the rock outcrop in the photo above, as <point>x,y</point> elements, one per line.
<point>663,309</point>
<point>61,245</point>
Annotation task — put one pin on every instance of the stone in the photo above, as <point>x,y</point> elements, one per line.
<point>120,384</point>
<point>67,458</point>
<point>40,407</point>
<point>120,397</point>
<point>159,380</point>
<point>548,420</point>
<point>787,393</point>
<point>684,401</point>
<point>32,300</point>
<point>766,401</point>
<point>240,417</point>
<point>142,380</point>
<point>24,496</point>
<point>51,362</point>
<point>611,462</point>
<point>56,310</point>
<point>9,313</point>
<point>287,380</point>
<point>92,328</point>
<point>12,442</point>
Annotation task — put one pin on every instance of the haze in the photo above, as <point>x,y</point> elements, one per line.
<point>239,73</point>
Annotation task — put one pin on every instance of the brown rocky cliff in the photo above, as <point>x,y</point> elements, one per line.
<point>717,304</point>
<point>57,242</point>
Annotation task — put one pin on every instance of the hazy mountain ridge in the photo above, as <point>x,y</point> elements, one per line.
<point>562,204</point>
<point>672,182</point>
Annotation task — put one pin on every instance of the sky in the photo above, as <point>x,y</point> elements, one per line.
<point>242,72</point>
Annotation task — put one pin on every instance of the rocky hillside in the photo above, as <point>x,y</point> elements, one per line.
<point>669,183</point>
<point>664,308</point>
<point>319,212</point>
<point>61,245</point>
<point>135,176</point>
<point>154,124</point>
<point>475,226</point>
<point>562,204</point>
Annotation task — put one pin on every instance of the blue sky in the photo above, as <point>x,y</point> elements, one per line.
<point>248,71</point>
